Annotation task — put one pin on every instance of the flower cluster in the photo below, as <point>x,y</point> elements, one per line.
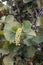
<point>18,36</point>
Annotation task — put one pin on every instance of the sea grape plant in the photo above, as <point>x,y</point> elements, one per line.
<point>21,32</point>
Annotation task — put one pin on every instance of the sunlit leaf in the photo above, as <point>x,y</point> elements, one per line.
<point>8,33</point>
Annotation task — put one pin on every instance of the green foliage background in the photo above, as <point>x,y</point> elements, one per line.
<point>21,14</point>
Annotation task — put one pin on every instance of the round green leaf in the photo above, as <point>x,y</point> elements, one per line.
<point>26,26</point>
<point>10,30</point>
<point>8,33</point>
<point>8,61</point>
<point>38,39</point>
<point>9,18</point>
